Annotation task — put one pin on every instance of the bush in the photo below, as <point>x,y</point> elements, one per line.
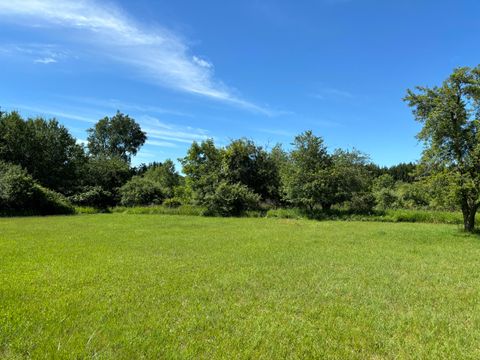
<point>231,200</point>
<point>141,191</point>
<point>49,202</point>
<point>16,188</point>
<point>362,203</point>
<point>93,196</point>
<point>172,203</point>
<point>21,195</point>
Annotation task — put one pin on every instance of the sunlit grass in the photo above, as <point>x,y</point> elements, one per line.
<point>131,286</point>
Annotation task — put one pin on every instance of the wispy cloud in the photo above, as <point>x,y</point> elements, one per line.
<point>46,61</point>
<point>159,54</point>
<point>115,104</point>
<point>40,53</point>
<point>159,130</point>
<point>161,143</point>
<point>46,112</point>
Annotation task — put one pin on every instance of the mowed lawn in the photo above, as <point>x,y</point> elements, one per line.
<point>152,286</point>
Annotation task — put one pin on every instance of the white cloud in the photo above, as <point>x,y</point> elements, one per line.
<point>45,112</point>
<point>159,130</point>
<point>161,143</point>
<point>158,53</point>
<point>47,60</point>
<point>201,62</point>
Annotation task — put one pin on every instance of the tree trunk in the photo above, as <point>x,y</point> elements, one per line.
<point>469,213</point>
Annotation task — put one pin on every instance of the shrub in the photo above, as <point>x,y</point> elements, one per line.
<point>16,187</point>
<point>362,203</point>
<point>141,191</point>
<point>231,200</point>
<point>49,202</point>
<point>93,196</point>
<point>20,194</point>
<point>172,203</point>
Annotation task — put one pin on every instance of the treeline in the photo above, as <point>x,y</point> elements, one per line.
<point>45,170</point>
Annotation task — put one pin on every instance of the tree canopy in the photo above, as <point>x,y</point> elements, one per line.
<point>450,115</point>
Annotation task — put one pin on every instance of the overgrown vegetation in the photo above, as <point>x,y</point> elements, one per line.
<point>243,177</point>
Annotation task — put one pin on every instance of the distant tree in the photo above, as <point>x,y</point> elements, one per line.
<point>450,115</point>
<point>21,194</point>
<point>117,136</point>
<point>203,168</point>
<point>246,163</point>
<point>103,176</point>
<point>165,175</point>
<point>44,148</point>
<point>231,199</point>
<point>141,191</point>
<point>307,181</point>
<point>403,172</point>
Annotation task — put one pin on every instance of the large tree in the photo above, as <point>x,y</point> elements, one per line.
<point>117,136</point>
<point>44,148</point>
<point>306,181</point>
<point>246,163</point>
<point>450,115</point>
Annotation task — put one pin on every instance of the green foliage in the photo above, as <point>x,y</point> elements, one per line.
<point>451,132</point>
<point>245,163</point>
<point>49,202</point>
<point>202,165</point>
<point>92,196</point>
<point>384,192</point>
<point>231,200</point>
<point>172,202</point>
<point>107,173</point>
<point>44,148</point>
<point>20,194</point>
<point>16,187</point>
<point>141,191</point>
<point>316,178</point>
<point>117,136</point>
<point>165,175</point>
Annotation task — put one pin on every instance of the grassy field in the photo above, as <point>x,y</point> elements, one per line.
<point>155,286</point>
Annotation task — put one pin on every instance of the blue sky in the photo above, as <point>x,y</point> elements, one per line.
<point>261,69</point>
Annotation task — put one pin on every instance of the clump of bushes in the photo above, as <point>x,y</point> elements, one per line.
<point>92,196</point>
<point>20,194</point>
<point>141,191</point>
<point>231,200</point>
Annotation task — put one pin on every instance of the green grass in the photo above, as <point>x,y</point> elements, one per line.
<point>117,286</point>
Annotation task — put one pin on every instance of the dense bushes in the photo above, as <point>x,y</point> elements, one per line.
<point>231,200</point>
<point>141,191</point>
<point>240,178</point>
<point>20,194</point>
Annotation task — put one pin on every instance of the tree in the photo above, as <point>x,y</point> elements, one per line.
<point>104,176</point>
<point>202,166</point>
<point>250,165</point>
<point>20,194</point>
<point>118,136</point>
<point>141,191</point>
<point>306,182</point>
<point>44,148</point>
<point>231,199</point>
<point>450,115</point>
<point>165,175</point>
